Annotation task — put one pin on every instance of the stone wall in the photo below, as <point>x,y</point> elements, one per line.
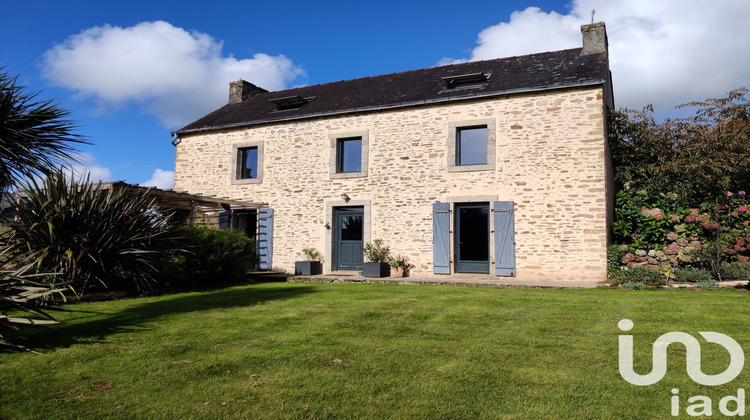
<point>550,159</point>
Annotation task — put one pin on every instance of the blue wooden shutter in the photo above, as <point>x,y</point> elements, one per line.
<point>441,248</point>
<point>224,218</point>
<point>505,239</point>
<point>265,239</point>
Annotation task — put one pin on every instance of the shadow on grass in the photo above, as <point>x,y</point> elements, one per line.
<point>93,326</point>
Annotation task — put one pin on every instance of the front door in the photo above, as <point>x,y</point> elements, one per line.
<point>348,238</point>
<point>472,238</point>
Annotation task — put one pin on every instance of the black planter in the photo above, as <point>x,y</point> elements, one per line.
<point>370,269</point>
<point>307,268</point>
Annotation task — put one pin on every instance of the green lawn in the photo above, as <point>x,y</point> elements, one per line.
<point>296,350</point>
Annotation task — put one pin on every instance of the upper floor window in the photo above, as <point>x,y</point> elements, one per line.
<point>349,155</point>
<point>471,146</point>
<point>247,163</point>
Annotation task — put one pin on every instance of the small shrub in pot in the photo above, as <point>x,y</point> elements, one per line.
<point>312,264</point>
<point>377,254</point>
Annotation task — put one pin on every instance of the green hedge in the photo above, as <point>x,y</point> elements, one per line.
<point>735,271</point>
<point>211,256</point>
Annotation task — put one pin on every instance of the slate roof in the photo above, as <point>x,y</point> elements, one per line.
<point>551,70</point>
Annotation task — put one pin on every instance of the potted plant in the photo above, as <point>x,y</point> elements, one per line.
<point>400,266</point>
<point>377,256</point>
<point>312,264</point>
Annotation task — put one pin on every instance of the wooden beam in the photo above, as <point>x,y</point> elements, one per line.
<point>183,200</point>
<point>192,213</point>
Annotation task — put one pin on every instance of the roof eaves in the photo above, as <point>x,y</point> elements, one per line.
<point>448,99</point>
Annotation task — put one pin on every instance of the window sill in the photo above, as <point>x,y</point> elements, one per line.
<point>343,175</point>
<point>471,168</point>
<point>247,181</point>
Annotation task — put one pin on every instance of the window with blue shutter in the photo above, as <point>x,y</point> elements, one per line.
<point>264,239</point>
<point>505,239</point>
<point>441,243</point>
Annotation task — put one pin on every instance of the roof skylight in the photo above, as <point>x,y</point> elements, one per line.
<point>468,80</point>
<point>290,102</point>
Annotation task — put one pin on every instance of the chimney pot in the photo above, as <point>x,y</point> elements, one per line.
<point>594,39</point>
<point>241,90</point>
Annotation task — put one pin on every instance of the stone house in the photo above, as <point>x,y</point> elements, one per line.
<point>493,168</point>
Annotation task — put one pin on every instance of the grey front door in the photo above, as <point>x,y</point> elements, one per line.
<point>348,235</point>
<point>472,238</point>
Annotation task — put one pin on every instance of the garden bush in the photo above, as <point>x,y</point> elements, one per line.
<point>735,271</point>
<point>614,261</point>
<point>708,285</point>
<point>642,275</point>
<point>211,256</point>
<point>635,286</point>
<point>692,275</point>
<point>662,235</point>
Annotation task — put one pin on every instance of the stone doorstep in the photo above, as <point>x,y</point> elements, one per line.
<point>448,281</point>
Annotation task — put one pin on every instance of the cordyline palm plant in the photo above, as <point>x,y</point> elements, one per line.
<point>34,135</point>
<point>90,235</point>
<point>23,301</point>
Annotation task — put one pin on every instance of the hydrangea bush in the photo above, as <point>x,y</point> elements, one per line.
<point>654,234</point>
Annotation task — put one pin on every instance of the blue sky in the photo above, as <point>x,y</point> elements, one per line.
<point>133,71</point>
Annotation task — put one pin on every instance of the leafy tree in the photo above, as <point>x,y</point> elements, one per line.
<point>34,134</point>
<point>91,235</point>
<point>695,159</point>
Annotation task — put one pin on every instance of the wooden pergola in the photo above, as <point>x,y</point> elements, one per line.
<point>186,201</point>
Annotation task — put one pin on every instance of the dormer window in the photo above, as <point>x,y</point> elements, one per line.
<point>466,81</point>
<point>290,102</point>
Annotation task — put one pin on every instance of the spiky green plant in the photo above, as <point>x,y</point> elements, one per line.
<point>35,135</point>
<point>91,235</point>
<point>23,301</point>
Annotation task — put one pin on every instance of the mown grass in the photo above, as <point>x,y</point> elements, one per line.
<point>280,350</point>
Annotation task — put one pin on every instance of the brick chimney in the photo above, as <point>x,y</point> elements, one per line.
<point>594,38</point>
<point>241,90</point>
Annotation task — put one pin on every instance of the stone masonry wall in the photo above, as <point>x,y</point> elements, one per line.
<point>549,159</point>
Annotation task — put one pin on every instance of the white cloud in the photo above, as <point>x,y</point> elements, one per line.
<point>77,168</point>
<point>160,179</point>
<point>85,164</point>
<point>173,74</point>
<point>664,52</point>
